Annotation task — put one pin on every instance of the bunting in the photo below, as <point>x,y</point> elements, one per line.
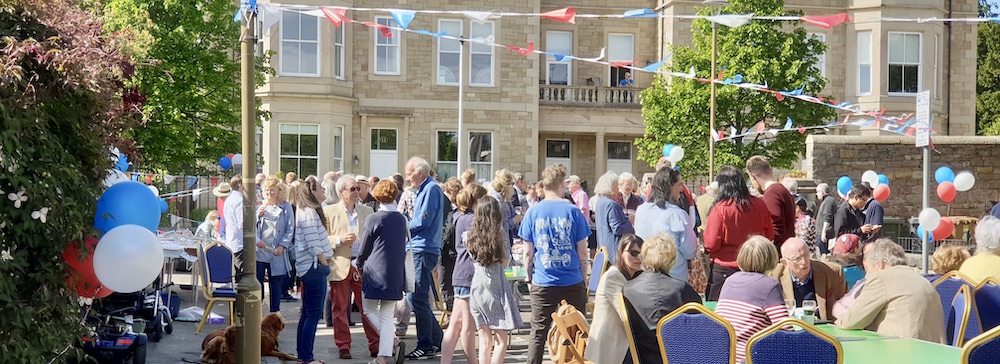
<point>565,15</point>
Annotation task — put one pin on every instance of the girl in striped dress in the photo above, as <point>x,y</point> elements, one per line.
<point>492,302</point>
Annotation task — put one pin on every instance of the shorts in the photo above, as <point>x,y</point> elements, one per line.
<point>592,240</point>
<point>463,292</point>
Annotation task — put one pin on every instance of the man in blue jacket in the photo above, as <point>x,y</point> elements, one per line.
<point>425,243</point>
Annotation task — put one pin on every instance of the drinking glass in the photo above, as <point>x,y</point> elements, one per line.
<point>809,306</point>
<point>790,305</point>
<point>352,229</point>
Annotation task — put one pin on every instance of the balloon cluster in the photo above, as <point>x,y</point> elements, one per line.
<point>877,181</point>
<point>230,160</point>
<point>673,153</point>
<point>935,225</point>
<point>949,183</point>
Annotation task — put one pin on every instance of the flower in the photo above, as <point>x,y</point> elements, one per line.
<point>5,255</point>
<point>18,198</point>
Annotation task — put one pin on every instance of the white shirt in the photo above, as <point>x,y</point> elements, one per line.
<point>234,221</point>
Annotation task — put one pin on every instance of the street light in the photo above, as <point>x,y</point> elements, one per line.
<point>711,116</point>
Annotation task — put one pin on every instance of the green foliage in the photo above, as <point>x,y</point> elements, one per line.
<point>988,80</point>
<point>676,111</point>
<point>189,71</point>
<point>60,105</point>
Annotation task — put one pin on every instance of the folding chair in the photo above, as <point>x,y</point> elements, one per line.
<point>809,345</point>
<point>439,301</point>
<point>571,327</point>
<point>700,336</point>
<point>216,263</point>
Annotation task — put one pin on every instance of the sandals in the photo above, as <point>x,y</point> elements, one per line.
<point>400,354</point>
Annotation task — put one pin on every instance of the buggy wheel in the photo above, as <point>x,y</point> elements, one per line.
<point>139,355</point>
<point>169,326</point>
<point>156,330</point>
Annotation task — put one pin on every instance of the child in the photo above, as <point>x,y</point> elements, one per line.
<point>492,302</point>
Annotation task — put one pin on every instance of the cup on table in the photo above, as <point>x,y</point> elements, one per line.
<point>809,307</point>
<point>801,314</point>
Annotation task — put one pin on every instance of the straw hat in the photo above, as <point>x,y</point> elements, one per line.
<point>222,190</point>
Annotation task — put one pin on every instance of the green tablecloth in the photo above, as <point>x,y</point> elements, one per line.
<point>898,351</point>
<point>829,328</point>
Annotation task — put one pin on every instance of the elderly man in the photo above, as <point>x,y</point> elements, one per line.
<point>779,200</point>
<point>807,279</point>
<point>259,181</point>
<point>791,185</point>
<point>365,192</point>
<point>895,300</point>
<point>425,229</point>
<point>346,218</point>
<point>986,262</point>
<point>824,217</point>
<point>705,201</point>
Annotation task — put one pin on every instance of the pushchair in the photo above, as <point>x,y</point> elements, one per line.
<point>113,333</point>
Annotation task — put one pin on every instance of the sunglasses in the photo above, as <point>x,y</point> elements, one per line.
<point>633,253</point>
<point>354,189</point>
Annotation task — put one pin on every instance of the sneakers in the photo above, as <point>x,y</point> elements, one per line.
<point>419,354</point>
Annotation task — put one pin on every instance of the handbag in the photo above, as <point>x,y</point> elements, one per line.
<point>408,271</point>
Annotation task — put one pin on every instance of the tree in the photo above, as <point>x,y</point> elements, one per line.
<point>780,54</point>
<point>189,71</point>
<point>988,75</point>
<point>61,106</point>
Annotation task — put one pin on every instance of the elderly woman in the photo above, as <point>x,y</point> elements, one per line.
<point>986,262</point>
<point>751,300</point>
<point>654,294</point>
<point>662,215</point>
<point>627,185</point>
<point>946,258</point>
<point>607,342</point>
<point>609,216</point>
<point>503,191</point>
<point>275,226</point>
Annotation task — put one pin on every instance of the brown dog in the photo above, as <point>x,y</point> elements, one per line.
<point>219,347</point>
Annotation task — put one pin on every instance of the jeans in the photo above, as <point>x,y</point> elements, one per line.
<point>379,313</point>
<point>545,301</point>
<point>275,285</point>
<point>313,293</point>
<point>716,280</point>
<point>429,333</point>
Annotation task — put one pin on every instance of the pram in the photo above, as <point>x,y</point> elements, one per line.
<point>114,334</point>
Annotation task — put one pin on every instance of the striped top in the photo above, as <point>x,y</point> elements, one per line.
<point>750,302</point>
<point>310,240</point>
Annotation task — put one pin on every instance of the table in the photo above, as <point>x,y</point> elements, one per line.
<point>830,329</point>
<point>898,351</point>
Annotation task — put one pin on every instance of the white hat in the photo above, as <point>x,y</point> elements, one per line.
<point>222,190</point>
<point>361,179</point>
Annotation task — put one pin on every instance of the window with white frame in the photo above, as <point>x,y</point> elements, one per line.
<point>864,63</point>
<point>299,44</point>
<point>904,62</point>
<point>447,155</point>
<point>559,71</point>
<point>338,52</point>
<point>821,57</point>
<point>299,148</point>
<point>621,48</point>
<point>481,153</point>
<point>338,148</point>
<point>481,55</point>
<point>386,48</point>
<point>449,51</point>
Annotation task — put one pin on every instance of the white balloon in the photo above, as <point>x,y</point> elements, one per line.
<point>676,154</point>
<point>156,191</point>
<point>237,159</point>
<point>929,219</point>
<point>964,181</point>
<point>128,258</point>
<point>114,176</point>
<point>871,177</point>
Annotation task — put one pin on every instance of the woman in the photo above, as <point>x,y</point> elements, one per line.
<point>609,216</point>
<point>946,258</point>
<point>654,294</point>
<point>209,228</point>
<point>986,262</point>
<point>608,342</point>
<point>451,188</point>
<point>734,217</point>
<point>313,252</point>
<point>461,279</point>
<point>805,226</point>
<point>661,215</point>
<point>627,197</point>
<point>383,247</point>
<point>750,300</point>
<point>275,226</point>
<point>493,305</point>
<point>503,192</point>
<point>846,254</point>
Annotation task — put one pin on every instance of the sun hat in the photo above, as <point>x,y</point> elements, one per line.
<point>222,190</point>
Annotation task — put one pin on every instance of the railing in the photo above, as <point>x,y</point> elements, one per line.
<point>588,96</point>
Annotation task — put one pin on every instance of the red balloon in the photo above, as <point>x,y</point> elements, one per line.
<point>881,192</point>
<point>230,156</point>
<point>80,261</point>
<point>946,191</point>
<point>945,229</point>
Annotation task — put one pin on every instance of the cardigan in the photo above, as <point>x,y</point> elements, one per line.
<point>730,225</point>
<point>383,251</point>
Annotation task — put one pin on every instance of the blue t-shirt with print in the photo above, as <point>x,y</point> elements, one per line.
<point>554,228</point>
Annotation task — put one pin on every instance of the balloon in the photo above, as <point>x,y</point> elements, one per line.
<point>676,154</point>
<point>126,203</point>
<point>946,191</point>
<point>944,229</point>
<point>225,163</point>
<point>871,177</point>
<point>163,205</point>
<point>930,218</point>
<point>156,191</point>
<point>844,185</point>
<point>122,164</point>
<point>230,156</point>
<point>128,258</point>
<point>881,193</point>
<point>114,176</point>
<point>82,278</point>
<point>666,150</point>
<point>883,179</point>
<point>944,174</point>
<point>237,159</point>
<point>964,181</point>
<point>920,233</point>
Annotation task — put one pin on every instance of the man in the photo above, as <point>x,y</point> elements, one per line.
<point>425,230</point>
<point>874,215</point>
<point>556,233</point>
<point>807,279</point>
<point>582,201</point>
<point>221,192</point>
<point>995,211</point>
<point>627,81</point>
<point>792,186</point>
<point>779,200</point>
<point>365,192</point>
<point>895,300</point>
<point>259,180</point>
<point>330,186</point>
<point>520,194</point>
<point>705,201</point>
<point>234,222</point>
<point>824,217</point>
<point>347,218</point>
<point>849,218</point>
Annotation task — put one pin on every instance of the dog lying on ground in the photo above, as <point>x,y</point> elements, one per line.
<point>219,346</point>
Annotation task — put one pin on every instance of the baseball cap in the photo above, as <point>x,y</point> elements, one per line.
<point>846,244</point>
<point>360,179</point>
<point>573,178</point>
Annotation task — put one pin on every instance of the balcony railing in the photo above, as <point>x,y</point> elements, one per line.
<point>588,96</point>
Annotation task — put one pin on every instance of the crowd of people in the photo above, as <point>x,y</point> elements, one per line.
<point>749,242</point>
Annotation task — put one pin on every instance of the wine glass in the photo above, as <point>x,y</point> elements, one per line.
<point>809,306</point>
<point>790,305</point>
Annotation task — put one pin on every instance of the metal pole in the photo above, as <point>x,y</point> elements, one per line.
<point>711,117</point>
<point>463,141</point>
<point>926,204</point>
<point>248,290</point>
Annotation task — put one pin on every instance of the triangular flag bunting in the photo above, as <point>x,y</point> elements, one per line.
<point>269,15</point>
<point>403,17</point>
<point>760,126</point>
<point>524,51</point>
<point>802,130</point>
<point>427,32</point>
<point>174,219</point>
<point>595,59</point>
<point>213,181</point>
<point>386,32</point>
<point>168,179</point>
<point>641,13</point>
<point>478,16</point>
<point>191,180</point>
<point>732,131</point>
<point>565,15</point>
<point>827,21</point>
<point>337,16</point>
<point>656,66</point>
<point>197,192</point>
<point>135,177</point>
<point>788,123</point>
<point>730,20</point>
<point>622,64</point>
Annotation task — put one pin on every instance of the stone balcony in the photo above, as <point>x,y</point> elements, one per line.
<point>588,96</point>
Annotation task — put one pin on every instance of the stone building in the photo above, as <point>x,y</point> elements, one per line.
<point>350,99</point>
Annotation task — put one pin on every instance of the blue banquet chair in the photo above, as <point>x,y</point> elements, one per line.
<point>597,270</point>
<point>983,349</point>
<point>775,345</point>
<point>963,319</point>
<point>987,295</point>
<point>216,268</point>
<point>626,311</point>
<point>694,334</point>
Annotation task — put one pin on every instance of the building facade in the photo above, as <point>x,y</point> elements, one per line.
<point>348,98</point>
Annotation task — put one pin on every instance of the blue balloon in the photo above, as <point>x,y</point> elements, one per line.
<point>677,168</point>
<point>127,203</point>
<point>122,164</point>
<point>920,233</point>
<point>844,185</point>
<point>163,206</point>
<point>666,150</point>
<point>225,163</point>
<point>944,174</point>
<point>883,179</point>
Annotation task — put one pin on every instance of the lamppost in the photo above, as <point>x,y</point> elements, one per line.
<point>711,115</point>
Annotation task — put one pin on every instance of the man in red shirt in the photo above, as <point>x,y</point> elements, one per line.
<point>779,200</point>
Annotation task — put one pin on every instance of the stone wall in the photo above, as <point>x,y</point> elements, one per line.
<point>830,157</point>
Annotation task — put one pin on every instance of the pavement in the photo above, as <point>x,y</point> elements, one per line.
<point>184,346</point>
